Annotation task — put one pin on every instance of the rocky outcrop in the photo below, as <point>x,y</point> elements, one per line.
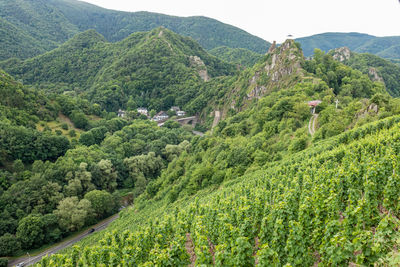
<point>341,54</point>
<point>282,63</point>
<point>285,60</point>
<point>280,70</point>
<point>369,110</point>
<point>272,47</point>
<point>373,74</point>
<point>197,63</point>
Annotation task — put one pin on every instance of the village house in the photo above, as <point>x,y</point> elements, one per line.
<point>161,116</point>
<point>175,108</point>
<point>313,104</point>
<point>181,113</point>
<point>121,113</point>
<point>143,111</point>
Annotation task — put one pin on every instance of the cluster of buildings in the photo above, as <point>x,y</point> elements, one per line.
<point>160,116</point>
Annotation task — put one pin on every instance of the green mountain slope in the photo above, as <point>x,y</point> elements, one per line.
<point>376,67</point>
<point>50,23</point>
<point>261,189</point>
<point>239,56</point>
<point>381,46</point>
<point>20,109</point>
<point>42,172</point>
<point>386,47</point>
<point>20,105</point>
<point>35,21</point>
<point>329,41</point>
<point>311,208</point>
<point>156,69</point>
<point>16,43</point>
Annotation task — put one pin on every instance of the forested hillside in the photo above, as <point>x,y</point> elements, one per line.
<point>54,182</point>
<point>156,69</point>
<point>376,67</point>
<point>239,56</point>
<point>42,25</point>
<point>261,189</point>
<point>386,47</point>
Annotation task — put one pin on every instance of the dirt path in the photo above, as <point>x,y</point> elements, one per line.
<point>198,133</point>
<point>217,117</point>
<point>311,124</point>
<point>34,259</point>
<point>190,249</point>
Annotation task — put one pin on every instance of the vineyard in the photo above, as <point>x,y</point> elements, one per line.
<point>333,204</point>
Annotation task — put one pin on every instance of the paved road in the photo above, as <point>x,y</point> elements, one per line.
<point>34,259</point>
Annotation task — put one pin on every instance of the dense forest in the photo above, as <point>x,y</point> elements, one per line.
<point>239,56</point>
<point>54,182</point>
<point>33,27</point>
<point>378,69</point>
<point>296,163</point>
<point>156,69</point>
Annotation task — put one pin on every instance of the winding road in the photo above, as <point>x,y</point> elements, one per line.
<point>34,259</point>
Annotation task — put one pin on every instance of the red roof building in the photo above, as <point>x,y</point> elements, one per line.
<point>314,103</point>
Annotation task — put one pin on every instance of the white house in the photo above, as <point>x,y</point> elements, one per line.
<point>181,113</point>
<point>121,113</point>
<point>143,111</point>
<point>161,116</point>
<point>175,108</point>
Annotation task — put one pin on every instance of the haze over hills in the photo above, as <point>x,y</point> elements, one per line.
<point>39,26</point>
<point>386,47</point>
<point>48,24</point>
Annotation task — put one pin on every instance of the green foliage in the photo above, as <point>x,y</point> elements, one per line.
<point>30,231</point>
<point>8,245</point>
<point>73,214</point>
<point>283,195</point>
<point>20,105</point>
<point>102,202</point>
<point>18,142</point>
<point>344,80</point>
<point>39,26</point>
<point>240,56</point>
<point>94,136</point>
<point>79,119</point>
<point>319,205</point>
<point>389,72</point>
<point>142,167</point>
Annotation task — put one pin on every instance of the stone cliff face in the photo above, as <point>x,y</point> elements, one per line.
<point>280,70</point>
<point>283,63</point>
<point>373,74</point>
<point>341,54</point>
<point>197,63</point>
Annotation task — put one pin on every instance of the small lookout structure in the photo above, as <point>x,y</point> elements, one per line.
<point>313,104</point>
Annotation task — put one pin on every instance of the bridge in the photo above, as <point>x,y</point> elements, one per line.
<point>183,121</point>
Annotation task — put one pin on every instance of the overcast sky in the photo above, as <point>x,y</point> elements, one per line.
<point>275,19</point>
